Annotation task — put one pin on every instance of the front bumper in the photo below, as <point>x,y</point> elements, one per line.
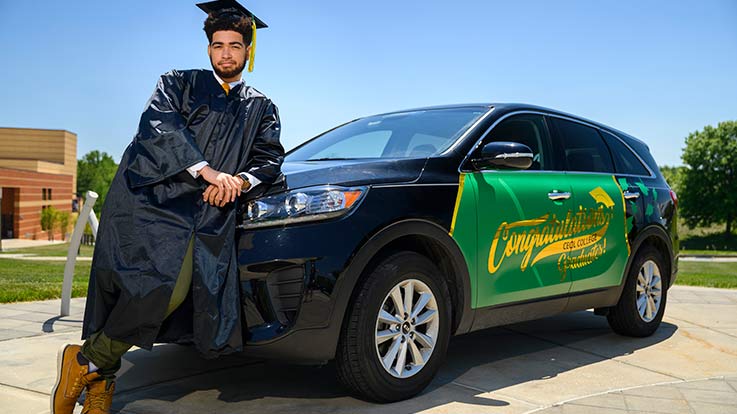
<point>289,281</point>
<point>296,281</point>
<point>287,278</point>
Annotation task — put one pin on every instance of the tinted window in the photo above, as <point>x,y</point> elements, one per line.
<point>425,144</point>
<point>370,145</point>
<point>624,160</point>
<point>529,130</point>
<point>411,134</point>
<point>642,150</point>
<point>584,149</point>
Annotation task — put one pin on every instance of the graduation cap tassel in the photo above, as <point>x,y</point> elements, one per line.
<point>252,55</point>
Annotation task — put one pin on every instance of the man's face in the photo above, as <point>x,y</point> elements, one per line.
<point>227,54</point>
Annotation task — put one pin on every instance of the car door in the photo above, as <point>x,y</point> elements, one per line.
<point>598,230</point>
<point>518,215</point>
<point>632,176</point>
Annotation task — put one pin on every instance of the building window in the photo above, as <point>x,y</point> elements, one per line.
<point>43,192</point>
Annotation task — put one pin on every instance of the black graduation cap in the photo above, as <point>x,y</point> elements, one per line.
<point>211,6</point>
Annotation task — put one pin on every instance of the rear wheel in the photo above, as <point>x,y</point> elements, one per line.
<point>642,304</point>
<point>397,330</point>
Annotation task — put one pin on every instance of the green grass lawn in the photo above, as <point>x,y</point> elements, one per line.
<point>719,275</point>
<point>712,238</point>
<point>27,280</point>
<point>57,250</point>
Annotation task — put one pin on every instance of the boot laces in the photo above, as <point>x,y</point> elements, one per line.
<point>99,400</point>
<point>79,383</point>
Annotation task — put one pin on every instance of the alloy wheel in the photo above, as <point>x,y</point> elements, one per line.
<point>407,328</point>
<point>649,291</point>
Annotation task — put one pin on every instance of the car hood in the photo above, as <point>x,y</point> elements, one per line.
<point>298,174</point>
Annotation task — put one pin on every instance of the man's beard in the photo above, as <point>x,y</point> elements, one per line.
<point>228,73</point>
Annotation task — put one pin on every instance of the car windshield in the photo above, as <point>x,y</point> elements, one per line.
<point>413,134</point>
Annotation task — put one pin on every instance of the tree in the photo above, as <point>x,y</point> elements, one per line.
<point>95,172</point>
<point>674,176</point>
<point>49,218</point>
<point>709,182</point>
<point>63,217</point>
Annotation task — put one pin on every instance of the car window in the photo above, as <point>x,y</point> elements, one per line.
<point>424,144</point>
<point>412,134</point>
<point>584,150</point>
<point>369,145</point>
<point>624,160</point>
<point>527,129</point>
<point>642,150</point>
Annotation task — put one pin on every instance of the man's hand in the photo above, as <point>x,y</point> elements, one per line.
<point>211,193</point>
<point>228,187</point>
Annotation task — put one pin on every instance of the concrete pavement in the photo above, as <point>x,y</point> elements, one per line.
<point>718,259</point>
<point>10,244</point>
<point>29,256</point>
<point>565,364</point>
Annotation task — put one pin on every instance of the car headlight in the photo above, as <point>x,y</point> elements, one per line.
<point>305,204</point>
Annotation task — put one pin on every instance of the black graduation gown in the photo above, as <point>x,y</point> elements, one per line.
<point>154,206</point>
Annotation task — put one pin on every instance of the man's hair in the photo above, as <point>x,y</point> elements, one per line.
<point>229,19</point>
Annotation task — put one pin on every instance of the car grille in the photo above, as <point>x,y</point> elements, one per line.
<point>272,293</point>
<point>285,289</point>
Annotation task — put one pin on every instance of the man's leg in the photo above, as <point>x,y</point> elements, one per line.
<point>99,358</point>
<point>106,353</point>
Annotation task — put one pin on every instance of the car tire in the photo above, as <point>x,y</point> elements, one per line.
<point>628,317</point>
<point>363,347</point>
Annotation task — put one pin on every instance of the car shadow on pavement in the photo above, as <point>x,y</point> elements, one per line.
<point>477,363</point>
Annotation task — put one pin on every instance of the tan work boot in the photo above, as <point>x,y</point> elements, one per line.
<point>99,397</point>
<point>71,378</point>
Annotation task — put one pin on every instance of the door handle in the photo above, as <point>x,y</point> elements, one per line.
<point>558,196</point>
<point>631,195</point>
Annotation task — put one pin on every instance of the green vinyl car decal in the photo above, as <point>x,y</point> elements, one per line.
<point>533,234</point>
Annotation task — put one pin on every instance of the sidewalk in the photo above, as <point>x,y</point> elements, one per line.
<point>29,256</point>
<point>717,396</point>
<point>566,364</point>
<point>9,244</point>
<point>703,258</point>
<point>27,319</point>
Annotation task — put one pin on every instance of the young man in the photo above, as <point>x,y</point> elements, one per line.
<point>164,267</point>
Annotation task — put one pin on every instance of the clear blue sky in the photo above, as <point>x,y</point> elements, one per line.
<point>655,69</point>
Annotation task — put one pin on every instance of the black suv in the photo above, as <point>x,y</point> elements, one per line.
<point>390,233</point>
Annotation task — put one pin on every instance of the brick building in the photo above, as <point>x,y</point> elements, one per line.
<point>38,168</point>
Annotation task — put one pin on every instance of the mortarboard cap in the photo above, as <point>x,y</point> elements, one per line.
<point>217,5</point>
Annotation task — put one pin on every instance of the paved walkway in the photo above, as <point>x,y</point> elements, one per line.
<point>23,243</point>
<point>9,245</point>
<point>716,395</point>
<point>566,364</point>
<point>721,259</point>
<point>28,256</point>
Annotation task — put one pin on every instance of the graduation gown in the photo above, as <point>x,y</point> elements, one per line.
<point>154,206</point>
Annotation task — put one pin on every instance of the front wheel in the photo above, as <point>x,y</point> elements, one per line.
<point>642,304</point>
<point>397,330</point>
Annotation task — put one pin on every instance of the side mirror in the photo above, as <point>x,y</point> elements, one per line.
<point>510,155</point>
